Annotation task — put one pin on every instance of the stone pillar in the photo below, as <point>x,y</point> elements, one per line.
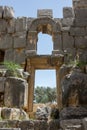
<point>57,43</point>
<point>59,92</point>
<point>31,88</point>
<point>32,42</point>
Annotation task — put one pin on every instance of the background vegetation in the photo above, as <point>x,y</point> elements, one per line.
<point>44,94</point>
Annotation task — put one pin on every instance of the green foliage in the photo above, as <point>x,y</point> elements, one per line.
<point>45,94</point>
<point>11,65</point>
<point>12,68</point>
<point>78,63</point>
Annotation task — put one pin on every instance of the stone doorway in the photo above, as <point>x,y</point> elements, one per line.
<point>43,62</point>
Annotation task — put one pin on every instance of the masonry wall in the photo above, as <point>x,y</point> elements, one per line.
<point>14,33</point>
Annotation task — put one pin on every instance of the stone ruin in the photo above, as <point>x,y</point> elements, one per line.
<point>18,43</point>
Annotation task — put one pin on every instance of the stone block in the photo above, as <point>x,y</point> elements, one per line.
<point>11,26</point>
<point>54,125</point>
<point>77,31</point>
<point>30,53</point>
<point>80,3</point>
<point>84,123</point>
<point>68,41</point>
<point>70,55</point>
<point>82,55</point>
<point>2,81</point>
<point>15,92</point>
<point>13,115</point>
<point>21,24</point>
<point>81,42</point>
<point>6,42</point>
<point>6,113</point>
<point>1,11</point>
<point>19,56</point>
<point>45,13</point>
<point>3,124</point>
<point>68,12</point>
<point>41,125</point>
<point>67,22</point>
<point>65,124</point>
<point>20,41</point>
<point>57,41</point>
<point>13,123</point>
<point>29,21</point>
<point>81,13</point>
<point>10,129</point>
<point>3,25</point>
<point>80,16</point>
<point>26,125</point>
<point>8,12</point>
<point>9,55</point>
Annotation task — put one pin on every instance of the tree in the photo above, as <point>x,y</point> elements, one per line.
<point>45,94</point>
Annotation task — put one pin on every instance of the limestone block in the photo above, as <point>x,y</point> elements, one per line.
<point>21,24</point>
<point>6,42</point>
<point>15,92</point>
<point>77,31</point>
<point>82,55</point>
<point>26,125</point>
<point>68,12</point>
<point>75,3</point>
<point>30,53</point>
<point>8,12</point>
<point>57,41</point>
<point>9,55</point>
<point>13,123</point>
<point>80,3</point>
<point>20,41</point>
<point>3,25</point>
<point>81,42</point>
<point>80,13</point>
<point>13,114</point>
<point>3,124</point>
<point>84,122</point>
<point>29,21</point>
<point>66,124</point>
<point>68,41</point>
<point>2,81</point>
<point>19,56</point>
<point>6,113</point>
<point>71,84</point>
<point>81,16</point>
<point>70,113</point>
<point>70,55</point>
<point>54,125</point>
<point>10,129</point>
<point>67,22</point>
<point>11,25</point>
<point>1,11</point>
<point>45,13</point>
<point>41,124</point>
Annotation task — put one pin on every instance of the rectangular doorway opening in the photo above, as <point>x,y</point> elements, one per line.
<point>45,86</point>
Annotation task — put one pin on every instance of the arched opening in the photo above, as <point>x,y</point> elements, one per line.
<point>44,44</point>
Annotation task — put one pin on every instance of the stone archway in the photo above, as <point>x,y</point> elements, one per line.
<point>45,25</point>
<point>48,26</point>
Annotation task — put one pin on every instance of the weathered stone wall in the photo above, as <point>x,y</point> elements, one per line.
<point>18,41</point>
<point>18,36</point>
